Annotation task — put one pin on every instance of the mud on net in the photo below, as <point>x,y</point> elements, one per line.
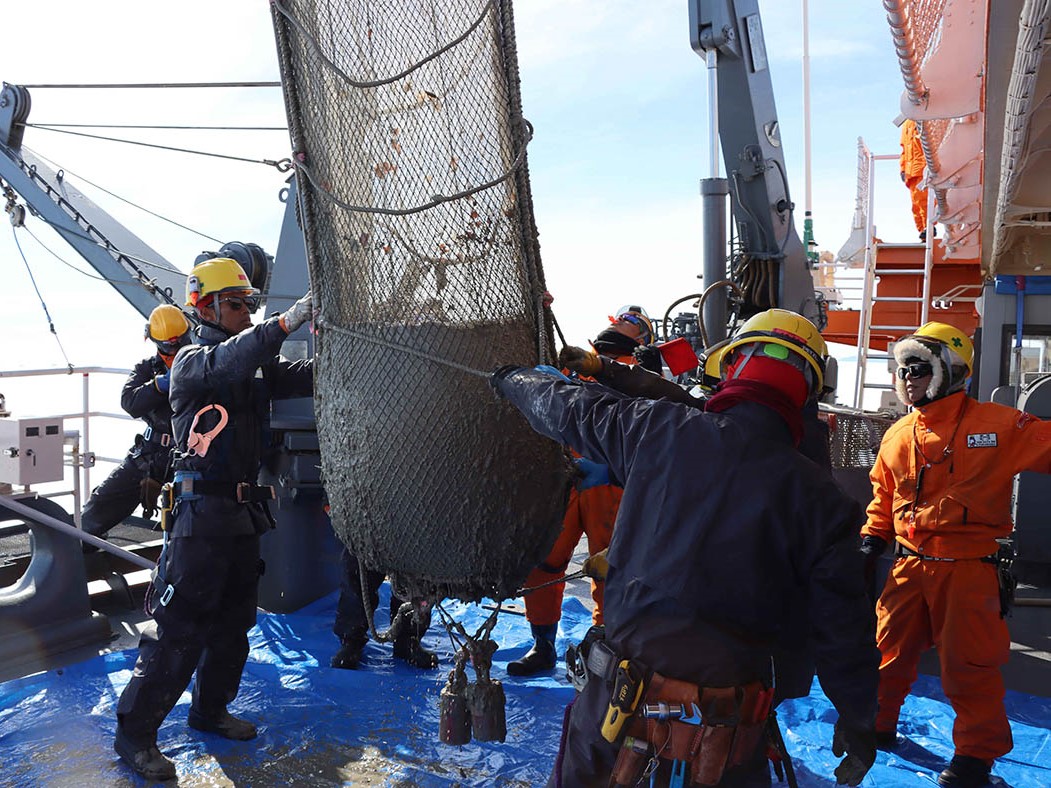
<point>406,124</point>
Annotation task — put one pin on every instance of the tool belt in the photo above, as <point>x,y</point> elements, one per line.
<point>242,492</point>
<point>702,731</point>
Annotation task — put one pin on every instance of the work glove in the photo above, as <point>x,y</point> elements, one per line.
<point>860,749</point>
<point>872,547</point>
<point>299,313</point>
<point>547,369</point>
<point>649,357</point>
<point>163,382</point>
<point>597,566</point>
<point>583,362</point>
<point>592,474</point>
<point>500,374</point>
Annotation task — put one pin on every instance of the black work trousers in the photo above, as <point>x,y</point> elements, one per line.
<point>120,493</point>
<point>352,623</point>
<point>204,628</point>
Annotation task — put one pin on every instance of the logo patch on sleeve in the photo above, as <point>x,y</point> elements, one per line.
<point>981,440</point>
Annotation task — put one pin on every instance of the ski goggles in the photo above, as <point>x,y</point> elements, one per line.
<point>921,369</point>
<point>636,320</point>
<point>169,347</point>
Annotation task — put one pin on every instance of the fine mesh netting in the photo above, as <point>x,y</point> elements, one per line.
<point>856,437</point>
<point>410,146</point>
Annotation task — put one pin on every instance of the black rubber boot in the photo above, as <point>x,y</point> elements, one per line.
<point>965,771</point>
<point>408,648</point>
<point>143,757</point>
<point>224,724</point>
<point>349,654</point>
<point>541,657</point>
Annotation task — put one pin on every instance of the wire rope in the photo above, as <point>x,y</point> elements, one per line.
<point>282,165</point>
<point>47,314</point>
<point>68,264</point>
<point>125,200</point>
<point>355,83</point>
<point>114,85</point>
<point>136,126</point>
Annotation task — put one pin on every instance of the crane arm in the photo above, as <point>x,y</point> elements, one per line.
<point>769,263</point>
<point>136,270</point>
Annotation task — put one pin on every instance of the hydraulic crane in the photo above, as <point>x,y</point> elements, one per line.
<point>137,271</point>
<point>298,555</point>
<point>767,262</point>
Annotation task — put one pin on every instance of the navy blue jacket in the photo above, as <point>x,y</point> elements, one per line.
<point>141,399</point>
<point>722,524</point>
<point>243,373</point>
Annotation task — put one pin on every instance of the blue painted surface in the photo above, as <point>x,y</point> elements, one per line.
<point>321,727</point>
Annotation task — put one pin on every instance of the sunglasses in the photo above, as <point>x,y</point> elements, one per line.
<point>237,303</point>
<point>635,320</point>
<point>920,369</point>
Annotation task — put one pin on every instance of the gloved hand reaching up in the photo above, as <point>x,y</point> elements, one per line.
<point>299,313</point>
<point>583,362</point>
<point>860,749</point>
<point>163,382</point>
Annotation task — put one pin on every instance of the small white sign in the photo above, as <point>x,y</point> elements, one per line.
<point>981,440</point>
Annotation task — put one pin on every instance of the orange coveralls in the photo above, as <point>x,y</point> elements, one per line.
<point>969,453</point>
<point>911,166</point>
<point>590,512</point>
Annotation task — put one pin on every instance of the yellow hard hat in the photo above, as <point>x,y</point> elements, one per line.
<point>713,367</point>
<point>789,330</point>
<point>167,322</point>
<point>953,339</point>
<point>216,276</point>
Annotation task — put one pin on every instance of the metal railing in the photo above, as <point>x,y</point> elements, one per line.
<point>85,414</point>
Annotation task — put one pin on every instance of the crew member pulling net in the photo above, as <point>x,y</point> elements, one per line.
<point>409,143</point>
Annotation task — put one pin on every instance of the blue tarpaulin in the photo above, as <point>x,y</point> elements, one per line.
<point>378,725</point>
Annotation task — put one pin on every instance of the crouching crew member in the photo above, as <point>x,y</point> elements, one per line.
<point>942,497</point>
<point>351,625</point>
<point>138,479</point>
<point>722,521</point>
<point>204,596</point>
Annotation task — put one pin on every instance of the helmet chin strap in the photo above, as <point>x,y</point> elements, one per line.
<point>216,324</point>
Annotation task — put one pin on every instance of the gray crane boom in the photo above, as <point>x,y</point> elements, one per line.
<point>136,270</point>
<point>769,262</point>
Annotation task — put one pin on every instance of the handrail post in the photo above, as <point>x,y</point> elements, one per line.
<point>86,422</point>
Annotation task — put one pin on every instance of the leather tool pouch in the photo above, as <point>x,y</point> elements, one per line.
<point>720,709</point>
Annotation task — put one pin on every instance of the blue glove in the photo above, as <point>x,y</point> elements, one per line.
<point>163,382</point>
<point>549,370</point>
<point>592,474</point>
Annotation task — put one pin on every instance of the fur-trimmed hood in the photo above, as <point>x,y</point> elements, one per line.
<point>942,361</point>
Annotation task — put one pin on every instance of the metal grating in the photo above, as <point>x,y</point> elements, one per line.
<point>410,150</point>
<point>856,437</point>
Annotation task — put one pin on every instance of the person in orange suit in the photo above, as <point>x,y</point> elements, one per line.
<point>911,165</point>
<point>592,509</point>
<point>941,495</point>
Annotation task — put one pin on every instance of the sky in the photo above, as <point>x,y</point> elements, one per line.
<point>617,98</point>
